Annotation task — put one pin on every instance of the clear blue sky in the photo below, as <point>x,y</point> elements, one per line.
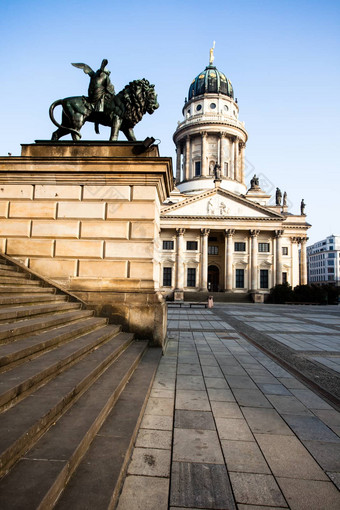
<point>282,58</point>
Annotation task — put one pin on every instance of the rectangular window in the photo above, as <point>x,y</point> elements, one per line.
<point>284,250</point>
<point>212,250</point>
<point>264,247</point>
<point>168,245</point>
<point>240,246</point>
<point>167,273</point>
<point>239,280</point>
<point>331,255</point>
<point>331,262</point>
<point>191,277</point>
<point>263,278</point>
<point>331,269</point>
<point>197,168</point>
<point>284,277</point>
<point>191,245</point>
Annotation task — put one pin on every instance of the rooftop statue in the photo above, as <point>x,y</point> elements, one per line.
<point>121,112</point>
<point>278,196</point>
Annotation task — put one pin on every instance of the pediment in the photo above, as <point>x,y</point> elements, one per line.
<point>218,203</point>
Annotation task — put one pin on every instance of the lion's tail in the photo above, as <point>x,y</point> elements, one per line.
<point>59,102</point>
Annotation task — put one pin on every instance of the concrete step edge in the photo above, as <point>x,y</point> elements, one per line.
<point>26,386</point>
<point>26,441</point>
<point>22,327</point>
<point>37,310</point>
<point>25,289</point>
<point>29,348</point>
<point>12,301</point>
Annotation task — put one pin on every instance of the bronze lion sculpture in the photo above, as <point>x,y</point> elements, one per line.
<point>121,112</point>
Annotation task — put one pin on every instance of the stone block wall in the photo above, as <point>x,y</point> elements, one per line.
<point>91,224</point>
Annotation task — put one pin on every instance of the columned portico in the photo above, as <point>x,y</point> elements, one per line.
<point>228,274</point>
<point>278,237</point>
<point>253,259</point>
<point>204,260</point>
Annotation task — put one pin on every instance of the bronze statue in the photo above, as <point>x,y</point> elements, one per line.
<point>254,183</point>
<point>302,207</point>
<point>121,112</point>
<point>278,196</point>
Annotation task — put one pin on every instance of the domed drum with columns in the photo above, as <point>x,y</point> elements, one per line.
<point>217,232</point>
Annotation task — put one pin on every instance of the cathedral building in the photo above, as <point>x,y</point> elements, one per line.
<point>220,233</point>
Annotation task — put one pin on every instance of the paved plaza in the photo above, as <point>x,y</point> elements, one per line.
<point>228,427</point>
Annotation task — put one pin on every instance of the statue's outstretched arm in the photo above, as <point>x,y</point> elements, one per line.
<point>87,69</point>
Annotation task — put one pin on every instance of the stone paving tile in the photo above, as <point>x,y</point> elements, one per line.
<point>330,417</point>
<point>310,494</point>
<point>258,489</point>
<point>256,507</point>
<point>233,428</point>
<point>187,369</point>
<point>202,420</point>
<point>327,454</point>
<point>220,395</point>
<point>287,457</point>
<point>157,422</point>
<point>291,383</point>
<point>162,393</point>
<point>209,371</point>
<point>244,456</point>
<point>154,439</point>
<point>216,383</point>
<point>311,428</point>
<point>141,492</point>
<point>288,405</point>
<point>192,400</point>
<point>239,381</point>
<point>273,389</point>
<point>234,369</point>
<point>226,410</point>
<point>265,421</point>
<point>309,399</point>
<point>160,406</point>
<point>150,462</point>
<point>194,445</point>
<point>251,398</point>
<point>190,382</point>
<point>204,486</point>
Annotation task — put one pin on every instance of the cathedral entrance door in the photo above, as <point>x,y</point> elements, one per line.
<point>213,278</point>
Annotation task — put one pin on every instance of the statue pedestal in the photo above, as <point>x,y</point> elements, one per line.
<point>86,215</point>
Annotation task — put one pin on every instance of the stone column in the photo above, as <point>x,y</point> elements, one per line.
<point>295,270</point>
<point>178,163</point>
<point>179,259</point>
<point>187,158</point>
<point>228,262</point>
<point>303,261</point>
<point>253,259</point>
<point>236,156</point>
<point>205,170</point>
<point>242,147</point>
<point>204,258</point>
<point>278,237</point>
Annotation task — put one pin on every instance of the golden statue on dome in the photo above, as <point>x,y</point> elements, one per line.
<point>211,59</point>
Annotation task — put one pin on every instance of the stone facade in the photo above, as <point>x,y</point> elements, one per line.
<point>87,216</point>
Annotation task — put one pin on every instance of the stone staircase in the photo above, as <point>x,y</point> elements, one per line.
<point>72,393</point>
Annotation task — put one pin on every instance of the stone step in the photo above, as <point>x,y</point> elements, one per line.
<point>6,280</point>
<point>11,313</point>
<point>28,421</point>
<point>16,274</point>
<point>97,482</point>
<point>9,301</point>
<point>7,267</point>
<point>15,330</point>
<point>31,346</point>
<point>24,289</point>
<point>23,380</point>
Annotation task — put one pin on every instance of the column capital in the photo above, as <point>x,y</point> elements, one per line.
<point>242,144</point>
<point>229,232</point>
<point>205,231</point>
<point>254,233</point>
<point>296,240</point>
<point>303,240</point>
<point>180,231</point>
<point>278,233</point>
<point>204,134</point>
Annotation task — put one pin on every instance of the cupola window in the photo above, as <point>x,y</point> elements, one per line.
<point>199,107</point>
<point>213,106</point>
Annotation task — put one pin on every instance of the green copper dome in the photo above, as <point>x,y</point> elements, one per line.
<point>211,80</point>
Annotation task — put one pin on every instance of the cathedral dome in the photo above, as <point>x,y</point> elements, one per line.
<point>211,80</point>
